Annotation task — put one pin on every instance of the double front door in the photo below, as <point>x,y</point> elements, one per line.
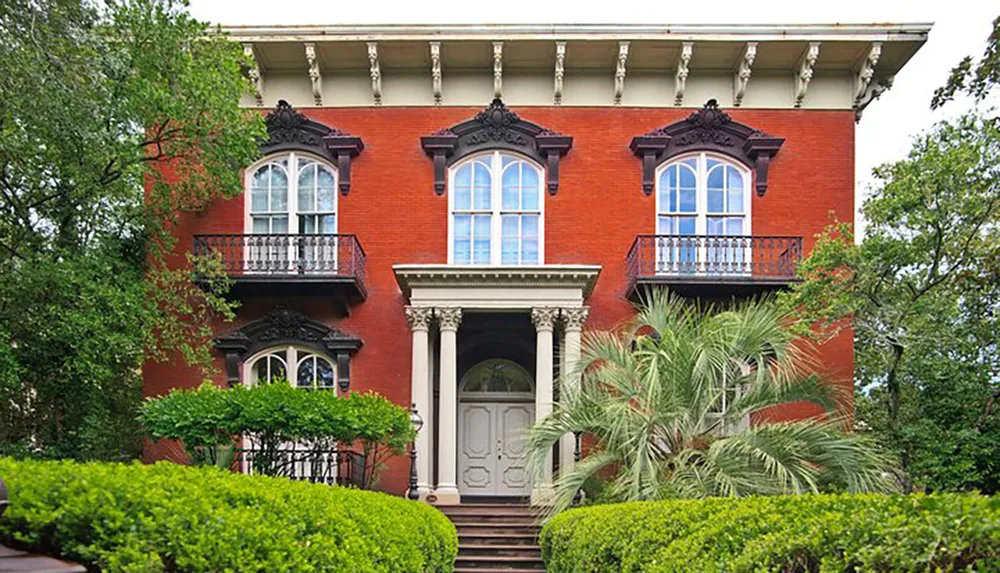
<point>491,448</point>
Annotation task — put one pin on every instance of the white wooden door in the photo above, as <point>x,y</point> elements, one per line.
<point>491,448</point>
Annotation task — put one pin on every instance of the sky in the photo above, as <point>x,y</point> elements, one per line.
<point>884,134</point>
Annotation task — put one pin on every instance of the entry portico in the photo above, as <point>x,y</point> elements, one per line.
<point>553,297</point>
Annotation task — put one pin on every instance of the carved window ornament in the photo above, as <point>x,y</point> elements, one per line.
<point>496,127</point>
<point>289,130</point>
<point>708,129</point>
<point>282,326</point>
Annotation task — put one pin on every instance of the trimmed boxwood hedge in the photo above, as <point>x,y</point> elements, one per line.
<point>167,517</point>
<point>809,533</point>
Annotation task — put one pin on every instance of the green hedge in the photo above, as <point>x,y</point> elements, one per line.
<point>801,534</point>
<point>167,517</point>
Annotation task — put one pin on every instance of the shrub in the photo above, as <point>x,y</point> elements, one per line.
<point>167,517</point>
<point>802,534</point>
<point>276,414</point>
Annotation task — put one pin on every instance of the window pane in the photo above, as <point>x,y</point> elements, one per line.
<point>482,187</point>
<point>685,225</point>
<point>688,200</point>
<point>529,251</point>
<point>324,373</point>
<point>735,201</point>
<point>716,178</point>
<point>261,225</point>
<point>326,187</point>
<point>529,225</point>
<point>511,188</point>
<point>668,189</point>
<point>508,251</point>
<point>307,224</point>
<point>665,226</point>
<point>481,242</point>
<point>328,224</point>
<point>734,180</point>
<point>715,226</point>
<point>306,374</point>
<point>463,188</point>
<point>463,226</point>
<point>687,178</point>
<point>716,200</point>
<point>279,225</point>
<point>529,187</point>
<point>307,187</point>
<point>734,226</point>
<point>279,190</point>
<point>258,189</point>
<point>509,226</point>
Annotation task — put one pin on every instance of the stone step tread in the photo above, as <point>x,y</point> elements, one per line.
<point>496,535</point>
<point>498,558</point>
<point>474,546</point>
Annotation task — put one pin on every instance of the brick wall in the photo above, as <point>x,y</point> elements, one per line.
<point>593,219</point>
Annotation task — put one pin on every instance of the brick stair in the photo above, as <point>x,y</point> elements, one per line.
<point>494,538</point>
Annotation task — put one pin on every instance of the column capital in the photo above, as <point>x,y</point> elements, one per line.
<point>574,317</point>
<point>419,317</point>
<point>544,317</point>
<point>449,317</point>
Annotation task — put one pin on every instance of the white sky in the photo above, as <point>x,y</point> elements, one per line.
<point>884,134</point>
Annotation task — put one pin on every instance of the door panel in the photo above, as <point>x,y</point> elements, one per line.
<point>477,456</point>
<point>513,421</point>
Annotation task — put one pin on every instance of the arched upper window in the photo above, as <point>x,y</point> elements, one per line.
<point>497,211</point>
<point>311,370</point>
<point>497,375</point>
<point>292,193</point>
<point>703,194</point>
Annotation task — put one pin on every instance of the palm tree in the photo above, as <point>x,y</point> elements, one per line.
<point>669,404</point>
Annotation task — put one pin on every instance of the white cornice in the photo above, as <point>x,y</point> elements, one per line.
<point>475,276</point>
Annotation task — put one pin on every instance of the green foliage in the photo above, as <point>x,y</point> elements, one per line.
<point>117,116</point>
<point>975,79</point>
<point>275,415</point>
<point>802,534</point>
<point>667,400</point>
<point>166,517</point>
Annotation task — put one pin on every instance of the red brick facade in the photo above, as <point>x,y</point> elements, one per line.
<point>598,211</point>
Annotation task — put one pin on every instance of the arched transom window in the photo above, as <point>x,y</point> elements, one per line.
<point>497,211</point>
<point>497,376</point>
<point>302,368</point>
<point>292,193</point>
<point>703,194</point>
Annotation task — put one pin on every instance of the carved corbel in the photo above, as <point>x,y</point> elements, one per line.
<point>804,73</point>
<point>874,91</point>
<point>436,78</point>
<point>760,147</point>
<point>233,348</point>
<point>315,77</point>
<point>440,146</point>
<point>866,73</point>
<point>620,72</point>
<point>553,146</point>
<point>344,147</point>
<point>256,79</point>
<point>497,69</point>
<point>375,72</point>
<point>557,90</point>
<point>341,348</point>
<point>680,78</point>
<point>741,78</point>
<point>648,148</point>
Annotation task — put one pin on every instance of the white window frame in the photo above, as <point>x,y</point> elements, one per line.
<point>496,206</point>
<point>291,359</point>
<point>293,190</point>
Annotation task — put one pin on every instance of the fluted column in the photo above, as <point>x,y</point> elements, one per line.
<point>544,319</point>
<point>447,487</point>
<point>572,319</point>
<point>420,392</point>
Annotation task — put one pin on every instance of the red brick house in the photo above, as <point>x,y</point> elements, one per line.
<point>440,210</point>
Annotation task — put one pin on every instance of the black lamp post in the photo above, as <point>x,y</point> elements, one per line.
<point>418,423</point>
<point>578,496</point>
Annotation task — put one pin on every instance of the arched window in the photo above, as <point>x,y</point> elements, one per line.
<point>292,193</point>
<point>312,370</point>
<point>497,375</point>
<point>706,197</point>
<point>497,212</point>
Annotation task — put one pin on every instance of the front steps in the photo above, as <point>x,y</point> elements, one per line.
<point>496,538</point>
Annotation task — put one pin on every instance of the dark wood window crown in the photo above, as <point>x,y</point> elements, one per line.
<point>289,130</point>
<point>496,127</point>
<point>708,129</point>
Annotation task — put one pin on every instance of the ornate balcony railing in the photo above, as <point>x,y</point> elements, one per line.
<point>713,258</point>
<point>317,465</point>
<point>280,257</point>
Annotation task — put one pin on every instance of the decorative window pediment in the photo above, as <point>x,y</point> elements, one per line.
<point>287,327</point>
<point>708,129</point>
<point>496,128</point>
<point>289,130</point>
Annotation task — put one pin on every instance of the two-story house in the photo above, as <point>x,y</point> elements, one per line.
<point>440,211</point>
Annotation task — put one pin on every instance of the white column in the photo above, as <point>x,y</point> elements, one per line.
<point>419,319</point>
<point>544,320</point>
<point>447,487</point>
<point>573,319</point>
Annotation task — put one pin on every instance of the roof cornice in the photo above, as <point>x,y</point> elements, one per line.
<point>433,275</point>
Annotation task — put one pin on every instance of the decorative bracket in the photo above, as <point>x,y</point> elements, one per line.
<point>436,71</point>
<point>497,70</point>
<point>315,77</point>
<point>496,127</point>
<point>708,129</point>
<point>874,91</point>
<point>741,78</point>
<point>680,78</point>
<point>289,130</point>
<point>557,90</point>
<point>375,72</point>
<point>620,72</point>
<point>256,79</point>
<point>282,326</point>
<point>866,73</point>
<point>805,72</point>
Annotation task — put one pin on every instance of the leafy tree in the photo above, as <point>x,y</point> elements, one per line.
<point>668,400</point>
<point>116,116</point>
<point>923,290</point>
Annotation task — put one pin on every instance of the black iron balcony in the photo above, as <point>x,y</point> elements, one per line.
<point>316,465</point>
<point>309,262</point>
<point>713,266</point>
